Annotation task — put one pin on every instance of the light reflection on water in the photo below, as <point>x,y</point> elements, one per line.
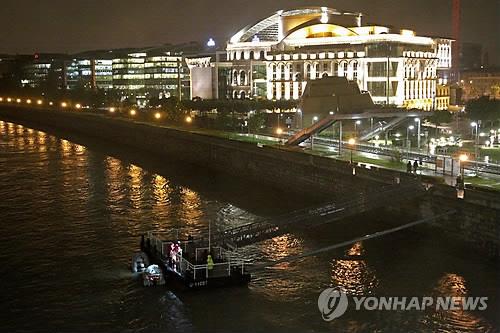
<point>71,217</point>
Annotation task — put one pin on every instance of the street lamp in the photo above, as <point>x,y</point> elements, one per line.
<point>39,102</point>
<point>408,129</point>
<point>64,104</point>
<point>356,124</point>
<point>112,109</point>
<point>157,115</point>
<point>476,125</point>
<point>133,112</point>
<point>351,143</point>
<point>417,120</point>
<point>189,119</point>
<point>279,131</point>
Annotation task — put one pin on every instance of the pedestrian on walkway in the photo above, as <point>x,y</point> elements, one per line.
<point>408,167</point>
<point>415,166</point>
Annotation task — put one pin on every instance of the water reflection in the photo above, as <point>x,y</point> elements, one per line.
<point>354,274</point>
<point>452,284</point>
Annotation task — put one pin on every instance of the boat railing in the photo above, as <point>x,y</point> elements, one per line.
<point>216,270</point>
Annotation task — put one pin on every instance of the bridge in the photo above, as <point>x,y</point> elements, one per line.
<point>398,114</point>
<point>315,216</point>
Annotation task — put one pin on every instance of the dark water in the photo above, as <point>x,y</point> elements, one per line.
<point>70,220</point>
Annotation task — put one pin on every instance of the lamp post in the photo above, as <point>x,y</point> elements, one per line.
<point>356,124</point>
<point>417,120</point>
<point>340,138</point>
<point>279,131</point>
<point>408,129</point>
<point>351,143</point>
<point>476,126</point>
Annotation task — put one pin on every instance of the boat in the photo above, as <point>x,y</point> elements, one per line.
<point>189,263</point>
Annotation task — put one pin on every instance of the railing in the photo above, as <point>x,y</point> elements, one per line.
<point>357,203</point>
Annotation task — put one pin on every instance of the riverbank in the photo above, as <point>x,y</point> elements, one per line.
<point>477,221</point>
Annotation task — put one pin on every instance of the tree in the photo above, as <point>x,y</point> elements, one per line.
<point>484,109</point>
<point>256,122</point>
<point>440,117</point>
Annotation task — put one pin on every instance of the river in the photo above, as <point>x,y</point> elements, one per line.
<point>72,212</point>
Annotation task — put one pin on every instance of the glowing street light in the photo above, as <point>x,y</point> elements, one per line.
<point>133,112</point>
<point>112,109</point>
<point>356,124</point>
<point>279,131</point>
<point>51,103</point>
<point>28,101</point>
<point>157,115</point>
<point>463,158</point>
<point>351,143</point>
<point>417,120</point>
<point>78,106</point>
<point>189,120</point>
<point>1,99</point>
<point>64,104</point>
<point>39,102</point>
<point>9,99</point>
<point>18,100</point>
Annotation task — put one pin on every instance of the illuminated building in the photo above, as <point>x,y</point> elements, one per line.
<point>210,75</point>
<point>45,70</point>
<point>478,83</point>
<point>275,57</point>
<point>128,71</point>
<point>165,74</point>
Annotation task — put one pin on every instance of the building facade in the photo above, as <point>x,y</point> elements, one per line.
<point>275,57</point>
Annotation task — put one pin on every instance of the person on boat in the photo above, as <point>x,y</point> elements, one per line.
<point>210,262</point>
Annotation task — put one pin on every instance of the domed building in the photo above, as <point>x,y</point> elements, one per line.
<point>276,56</point>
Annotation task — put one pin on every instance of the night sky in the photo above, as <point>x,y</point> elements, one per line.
<point>28,26</point>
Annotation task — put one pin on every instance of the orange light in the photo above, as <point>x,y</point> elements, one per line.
<point>279,131</point>
<point>28,101</point>
<point>133,112</point>
<point>157,115</point>
<point>78,106</point>
<point>189,119</point>
<point>18,100</point>
<point>1,99</point>
<point>51,103</point>
<point>112,109</point>
<point>39,102</point>
<point>351,141</point>
<point>64,104</point>
<point>463,157</point>
<point>9,99</point>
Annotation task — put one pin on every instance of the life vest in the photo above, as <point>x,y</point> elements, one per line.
<point>210,262</point>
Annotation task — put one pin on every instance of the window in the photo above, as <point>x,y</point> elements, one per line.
<point>355,70</point>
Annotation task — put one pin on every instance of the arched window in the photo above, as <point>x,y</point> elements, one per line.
<point>235,94</point>
<point>261,55</point>
<point>308,71</point>
<point>282,69</point>
<point>235,77</point>
<point>242,95</point>
<point>335,69</point>
<point>243,78</point>
<point>355,70</point>
<point>345,68</point>
<point>252,55</point>
<point>324,75</point>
